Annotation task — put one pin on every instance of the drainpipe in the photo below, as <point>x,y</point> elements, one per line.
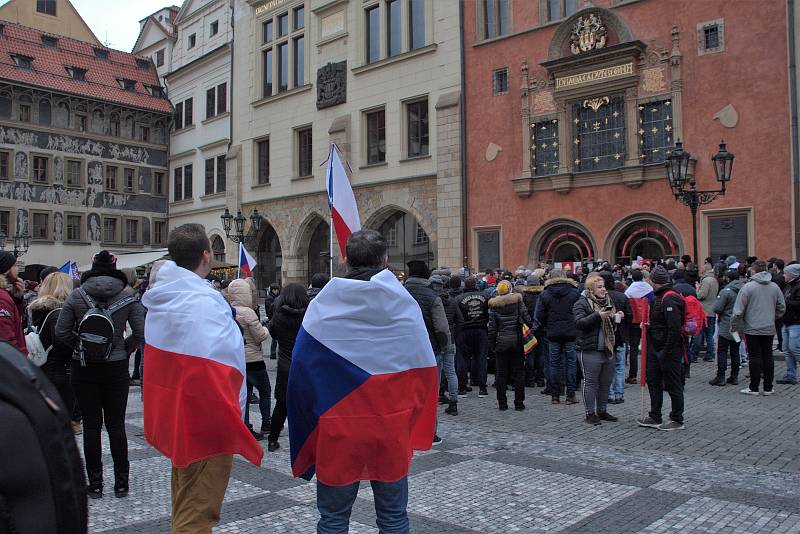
<point>463,117</point>
<point>793,110</point>
<point>230,92</point>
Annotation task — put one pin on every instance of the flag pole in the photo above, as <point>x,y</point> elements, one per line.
<point>330,208</point>
<point>239,262</point>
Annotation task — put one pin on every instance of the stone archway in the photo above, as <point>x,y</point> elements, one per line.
<point>269,257</point>
<point>644,235</point>
<point>218,248</point>
<point>561,240</point>
<point>406,237</point>
<point>311,248</point>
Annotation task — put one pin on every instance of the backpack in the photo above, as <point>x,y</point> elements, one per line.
<point>37,353</point>
<point>96,329</point>
<point>694,317</point>
<point>48,493</point>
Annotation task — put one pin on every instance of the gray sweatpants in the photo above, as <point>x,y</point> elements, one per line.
<point>598,371</point>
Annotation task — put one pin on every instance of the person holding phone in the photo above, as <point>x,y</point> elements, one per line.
<point>597,321</point>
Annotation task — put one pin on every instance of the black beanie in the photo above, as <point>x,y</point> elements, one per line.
<point>7,261</point>
<point>418,269</point>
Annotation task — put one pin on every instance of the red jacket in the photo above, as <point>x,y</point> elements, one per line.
<point>11,310</point>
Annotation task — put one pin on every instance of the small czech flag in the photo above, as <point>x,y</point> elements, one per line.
<point>246,262</point>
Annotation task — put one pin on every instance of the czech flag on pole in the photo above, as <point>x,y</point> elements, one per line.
<point>246,262</point>
<point>194,378</point>
<point>342,202</point>
<point>363,384</point>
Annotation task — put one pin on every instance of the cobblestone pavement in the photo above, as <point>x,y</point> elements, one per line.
<point>734,469</point>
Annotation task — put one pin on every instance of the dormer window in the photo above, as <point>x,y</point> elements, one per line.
<point>128,85</point>
<point>99,53</point>
<point>2,29</point>
<point>23,62</point>
<point>142,64</point>
<point>192,41</point>
<point>77,73</point>
<point>49,42</point>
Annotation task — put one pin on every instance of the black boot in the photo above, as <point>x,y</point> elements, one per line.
<point>95,487</point>
<point>718,380</point>
<point>452,409</point>
<point>443,399</point>
<point>733,380</point>
<point>121,482</point>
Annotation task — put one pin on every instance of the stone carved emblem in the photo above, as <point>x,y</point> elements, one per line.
<point>653,80</point>
<point>588,33</point>
<point>332,85</point>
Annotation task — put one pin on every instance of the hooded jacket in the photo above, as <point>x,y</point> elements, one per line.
<point>61,353</point>
<point>11,310</point>
<point>283,327</point>
<point>723,307</point>
<point>432,312</point>
<point>530,297</point>
<point>241,299</point>
<point>666,319</point>
<point>759,303</point>
<point>707,293</point>
<point>554,310</point>
<point>104,286</point>
<point>506,315</point>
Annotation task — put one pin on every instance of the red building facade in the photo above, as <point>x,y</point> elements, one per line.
<point>571,110</point>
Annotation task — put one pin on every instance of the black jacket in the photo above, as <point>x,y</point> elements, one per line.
<point>506,315</point>
<point>283,327</point>
<point>666,320</point>
<point>792,295</point>
<point>530,297</point>
<point>472,311</point>
<point>588,323</point>
<point>269,303</point>
<point>450,302</point>
<point>554,310</point>
<point>432,312</point>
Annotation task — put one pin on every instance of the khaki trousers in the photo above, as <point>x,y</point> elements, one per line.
<point>197,494</point>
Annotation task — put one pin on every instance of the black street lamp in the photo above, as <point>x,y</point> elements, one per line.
<point>21,243</point>
<point>237,223</point>
<point>678,175</point>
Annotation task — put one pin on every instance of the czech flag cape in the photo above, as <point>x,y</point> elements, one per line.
<point>363,384</point>
<point>194,372</point>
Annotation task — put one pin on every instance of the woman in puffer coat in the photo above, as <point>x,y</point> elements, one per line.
<point>240,297</point>
<point>506,315</point>
<point>290,308</point>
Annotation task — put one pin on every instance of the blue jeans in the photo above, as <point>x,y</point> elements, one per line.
<point>791,347</point>
<point>336,502</point>
<point>259,379</point>
<point>447,361</point>
<point>563,366</point>
<point>706,334</point>
<point>617,389</point>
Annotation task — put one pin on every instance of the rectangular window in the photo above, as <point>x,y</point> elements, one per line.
<point>5,165</point>
<point>132,231</point>
<point>283,66</point>
<point>210,176</point>
<point>267,60</point>
<point>192,41</point>
<point>74,173</point>
<point>299,61</point>
<point>420,236</point>
<point>496,18</point>
<point>177,184</point>
<point>299,18</point>
<point>188,120</point>
<point>559,9</point>
<point>49,42</point>
<point>544,148</point>
<point>503,18</point>
<point>376,136</point>
<point>283,25</point>
<point>41,226</point>
<point>160,58</point>
<point>47,7</point>
<point>101,53</point>
<point>221,174</point>
<point>130,180</point>
<point>266,31</point>
<point>500,82</point>
<point>417,120</point>
<point>144,134</point>
<point>178,117</point>
<point>25,113</point>
<point>222,98</point>
<point>393,25</point>
<point>263,161</point>
<point>416,19</point>
<point>304,152</point>
<point>373,33</point>
<point>158,183</point>
<point>214,29</point>
<point>74,226</point>
<point>159,232</point>
<point>211,102</point>
<point>187,182</point>
<point>110,230</point>
<point>5,223</point>
<point>655,131</point>
<point>599,138</point>
<point>80,122</point>
<point>114,126</point>
<point>111,178</point>
<point>711,36</point>
<point>40,169</point>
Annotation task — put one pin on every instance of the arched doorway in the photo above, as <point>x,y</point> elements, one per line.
<point>561,241</point>
<point>269,258</point>
<point>319,250</point>
<point>406,240</point>
<point>648,239</point>
<point>218,248</point>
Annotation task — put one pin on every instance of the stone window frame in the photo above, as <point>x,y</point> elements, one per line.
<point>704,227</point>
<point>117,229</point>
<point>495,91</point>
<point>49,226</point>
<point>81,227</point>
<point>12,220</point>
<point>405,130</point>
<point>480,20</point>
<point>164,183</point>
<point>10,155</point>
<point>213,28</point>
<point>159,59</point>
<point>215,159</point>
<point>81,122</point>
<point>257,161</point>
<point>297,132</point>
<point>153,234</point>
<point>117,178</point>
<point>135,189</point>
<point>405,30</point>
<point>475,248</point>
<point>365,113</point>
<point>139,230</point>
<point>81,173</point>
<point>48,168</point>
<point>701,41</point>
<point>290,39</point>
<point>544,11</point>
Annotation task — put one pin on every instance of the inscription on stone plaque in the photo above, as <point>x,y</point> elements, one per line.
<point>594,76</point>
<point>332,85</point>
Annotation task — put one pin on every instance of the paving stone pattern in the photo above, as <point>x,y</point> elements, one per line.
<point>734,469</point>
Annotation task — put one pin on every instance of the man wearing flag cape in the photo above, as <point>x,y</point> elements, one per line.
<point>362,390</point>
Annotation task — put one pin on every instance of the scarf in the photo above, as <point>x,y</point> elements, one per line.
<point>608,323</point>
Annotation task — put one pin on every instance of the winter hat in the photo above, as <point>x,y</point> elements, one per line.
<point>659,275</point>
<point>504,287</point>
<point>730,260</point>
<point>7,261</point>
<point>680,274</point>
<point>104,259</point>
<point>519,282</point>
<point>319,280</point>
<point>732,274</point>
<point>454,282</point>
<point>533,280</point>
<point>437,282</point>
<point>47,271</point>
<point>417,269</point>
<point>793,270</point>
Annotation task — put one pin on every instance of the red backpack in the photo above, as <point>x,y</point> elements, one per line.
<point>694,317</point>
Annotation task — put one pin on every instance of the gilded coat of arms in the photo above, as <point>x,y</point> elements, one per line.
<point>588,34</point>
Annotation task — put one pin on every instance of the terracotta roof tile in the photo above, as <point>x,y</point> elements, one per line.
<point>49,69</point>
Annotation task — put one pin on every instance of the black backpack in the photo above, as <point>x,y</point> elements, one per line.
<point>96,329</point>
<point>42,484</point>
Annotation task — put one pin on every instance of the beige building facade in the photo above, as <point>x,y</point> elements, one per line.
<point>58,17</point>
<point>379,78</point>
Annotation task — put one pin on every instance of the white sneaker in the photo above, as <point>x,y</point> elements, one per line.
<point>767,393</point>
<point>748,391</point>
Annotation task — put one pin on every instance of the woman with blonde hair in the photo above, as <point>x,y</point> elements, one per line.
<point>44,312</point>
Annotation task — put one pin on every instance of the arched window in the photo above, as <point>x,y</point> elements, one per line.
<point>128,130</point>
<point>114,125</point>
<point>406,240</point>
<point>218,248</point>
<point>45,112</point>
<point>646,239</point>
<point>98,121</point>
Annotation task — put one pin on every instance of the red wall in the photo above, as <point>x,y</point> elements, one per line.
<point>751,74</point>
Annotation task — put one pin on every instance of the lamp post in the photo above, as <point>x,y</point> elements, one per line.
<point>229,222</point>
<point>21,243</point>
<point>684,187</point>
